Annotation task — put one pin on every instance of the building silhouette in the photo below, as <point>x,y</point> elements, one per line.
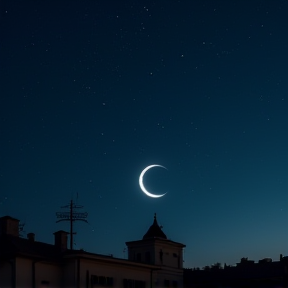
<point>246,274</point>
<point>152,261</point>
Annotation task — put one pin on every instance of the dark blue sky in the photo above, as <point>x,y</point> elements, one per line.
<point>92,92</point>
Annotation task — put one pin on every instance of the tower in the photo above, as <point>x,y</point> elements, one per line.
<point>156,249</point>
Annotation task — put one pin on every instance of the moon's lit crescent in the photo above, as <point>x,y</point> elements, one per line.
<point>142,185</point>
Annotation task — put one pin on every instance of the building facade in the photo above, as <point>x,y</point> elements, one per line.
<point>153,261</point>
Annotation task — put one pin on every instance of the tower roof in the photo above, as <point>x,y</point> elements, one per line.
<point>154,231</point>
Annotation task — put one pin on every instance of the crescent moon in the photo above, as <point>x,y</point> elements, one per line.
<point>142,185</point>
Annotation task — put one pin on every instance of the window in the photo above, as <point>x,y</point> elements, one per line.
<point>166,283</point>
<point>161,255</point>
<point>174,284</point>
<point>109,281</point>
<point>127,283</point>
<point>131,283</point>
<point>94,280</point>
<point>101,281</point>
<point>44,283</point>
<point>147,257</point>
<point>139,284</point>
<point>138,258</point>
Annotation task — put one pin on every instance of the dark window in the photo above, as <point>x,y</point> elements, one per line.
<point>102,280</point>
<point>161,255</point>
<point>174,284</point>
<point>147,257</point>
<point>175,255</point>
<point>139,284</point>
<point>94,280</point>
<point>45,283</point>
<point>109,281</point>
<point>138,259</point>
<point>128,283</point>
<point>166,283</point>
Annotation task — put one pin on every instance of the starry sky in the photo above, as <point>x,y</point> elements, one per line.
<point>92,92</point>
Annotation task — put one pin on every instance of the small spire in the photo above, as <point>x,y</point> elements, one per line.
<point>155,231</point>
<point>155,220</point>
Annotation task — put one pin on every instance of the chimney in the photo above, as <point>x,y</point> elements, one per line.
<point>9,226</point>
<point>31,237</point>
<point>61,238</point>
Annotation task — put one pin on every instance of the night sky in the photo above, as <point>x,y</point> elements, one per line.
<point>92,92</point>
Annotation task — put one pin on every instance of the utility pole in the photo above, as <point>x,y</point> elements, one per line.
<point>72,216</point>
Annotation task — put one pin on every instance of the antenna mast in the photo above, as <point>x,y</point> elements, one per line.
<point>72,216</point>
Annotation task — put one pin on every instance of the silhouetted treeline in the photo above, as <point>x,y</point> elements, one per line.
<point>246,274</point>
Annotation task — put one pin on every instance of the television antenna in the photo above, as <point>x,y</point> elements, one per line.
<point>72,216</point>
